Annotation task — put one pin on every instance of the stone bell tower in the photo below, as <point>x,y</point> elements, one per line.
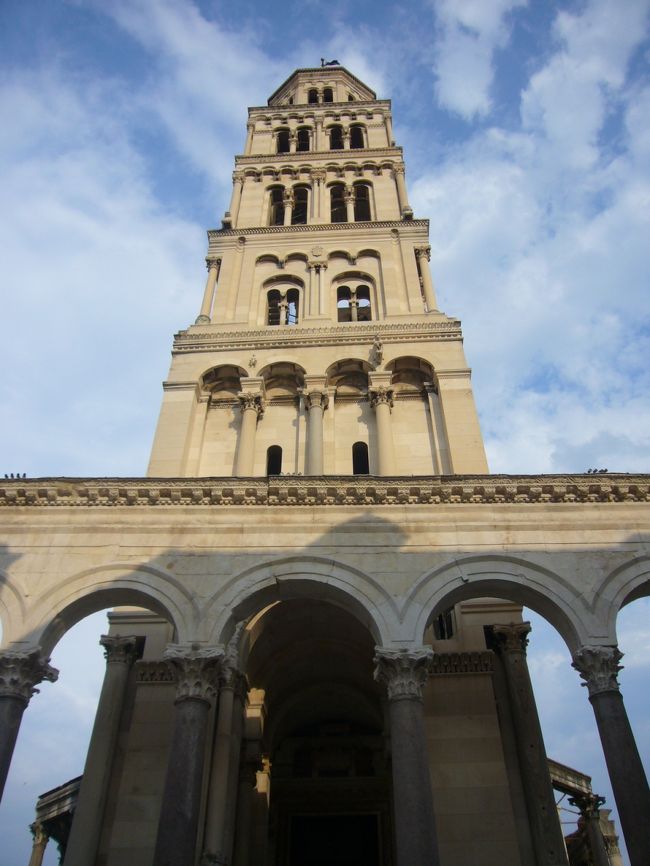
<point>319,348</point>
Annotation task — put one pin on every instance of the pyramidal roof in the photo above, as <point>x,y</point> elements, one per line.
<point>329,73</point>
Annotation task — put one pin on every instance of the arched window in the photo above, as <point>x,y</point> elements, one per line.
<point>361,202</point>
<point>300,203</point>
<point>276,206</point>
<point>364,310</point>
<point>338,208</point>
<point>274,460</point>
<point>293,302</point>
<point>343,309</point>
<point>443,625</point>
<point>350,97</point>
<point>360,464</point>
<point>282,139</point>
<point>336,138</point>
<point>356,137</point>
<point>328,95</point>
<point>302,141</point>
<point>273,308</point>
<point>353,304</point>
<point>312,96</point>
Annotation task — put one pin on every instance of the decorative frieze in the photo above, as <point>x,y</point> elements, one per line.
<point>21,672</point>
<point>455,664</point>
<point>598,666</point>
<point>215,234</point>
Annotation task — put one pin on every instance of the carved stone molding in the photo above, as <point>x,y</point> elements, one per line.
<point>153,673</point>
<point>196,672</point>
<point>512,637</point>
<point>215,234</point>
<point>118,649</point>
<point>598,666</point>
<point>20,673</point>
<point>454,664</point>
<point>403,672</point>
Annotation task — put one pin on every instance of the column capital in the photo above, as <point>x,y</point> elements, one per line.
<point>251,401</point>
<point>511,637</point>
<point>316,398</point>
<point>118,649</point>
<point>212,262</point>
<point>598,666</point>
<point>348,192</point>
<point>20,673</point>
<point>39,833</point>
<point>423,252</point>
<point>230,677</point>
<point>380,394</point>
<point>238,176</point>
<point>318,174</point>
<point>403,671</point>
<point>399,169</point>
<point>196,672</point>
<point>588,803</point>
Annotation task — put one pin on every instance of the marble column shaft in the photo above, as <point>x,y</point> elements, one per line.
<point>251,410</point>
<point>598,667</point>
<point>39,843</point>
<point>381,399</point>
<point>245,793</point>
<point>316,402</point>
<point>404,673</point>
<point>589,805</point>
<point>20,673</point>
<point>208,295</point>
<point>510,642</point>
<point>402,195</point>
<point>423,254</point>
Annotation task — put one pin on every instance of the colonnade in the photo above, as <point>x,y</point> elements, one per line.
<point>201,674</point>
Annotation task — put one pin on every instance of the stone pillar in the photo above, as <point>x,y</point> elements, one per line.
<point>293,138</point>
<point>318,142</point>
<point>354,307</point>
<point>39,843</point>
<point>120,653</point>
<point>405,209</point>
<point>235,200</point>
<point>381,400</point>
<point>510,643</point>
<point>423,255</point>
<point>318,177</point>
<point>245,791</point>
<point>316,402</point>
<point>213,266</point>
<point>287,198</point>
<point>346,139</point>
<point>589,805</point>
<point>389,129</point>
<point>252,408</point>
<point>250,128</point>
<point>598,666</point>
<point>404,673</point>
<point>196,673</point>
<point>348,195</point>
<point>20,673</point>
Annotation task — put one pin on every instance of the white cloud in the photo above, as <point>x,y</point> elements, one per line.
<point>470,31</point>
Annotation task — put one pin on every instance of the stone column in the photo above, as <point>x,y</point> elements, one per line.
<point>250,128</point>
<point>235,200</point>
<point>510,643</point>
<point>404,673</point>
<point>120,653</point>
<point>346,139</point>
<point>389,129</point>
<point>39,843</point>
<point>20,673</point>
<point>348,195</point>
<point>589,805</point>
<point>381,400</point>
<point>318,141</point>
<point>196,673</point>
<point>354,306</point>
<point>318,177</point>
<point>252,408</point>
<point>293,137</point>
<point>213,266</point>
<point>245,789</point>
<point>287,198</point>
<point>316,401</point>
<point>598,666</point>
<point>423,255</point>
<point>402,196</point>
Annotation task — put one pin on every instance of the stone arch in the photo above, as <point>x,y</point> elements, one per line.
<point>111,585</point>
<point>223,380</point>
<point>506,577</point>
<point>12,609</point>
<point>623,585</point>
<point>301,577</point>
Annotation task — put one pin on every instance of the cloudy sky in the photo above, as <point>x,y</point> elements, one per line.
<point>526,128</point>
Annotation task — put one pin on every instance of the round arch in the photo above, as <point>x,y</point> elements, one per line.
<point>620,587</point>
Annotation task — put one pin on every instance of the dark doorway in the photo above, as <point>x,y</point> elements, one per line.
<point>360,464</point>
<point>274,460</point>
<point>334,840</point>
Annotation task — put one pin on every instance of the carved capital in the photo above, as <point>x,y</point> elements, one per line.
<point>423,252</point>
<point>118,649</point>
<point>20,673</point>
<point>589,805</point>
<point>39,834</point>
<point>196,672</point>
<point>403,672</point>
<point>511,638</point>
<point>288,198</point>
<point>381,394</point>
<point>317,266</point>
<point>398,169</point>
<point>316,399</point>
<point>318,174</point>
<point>238,176</point>
<point>251,401</point>
<point>212,263</point>
<point>348,193</point>
<point>598,666</point>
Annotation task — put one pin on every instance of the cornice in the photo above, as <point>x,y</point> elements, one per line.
<point>335,490</point>
<point>317,228</point>
<point>303,156</point>
<point>473,662</point>
<point>348,335</point>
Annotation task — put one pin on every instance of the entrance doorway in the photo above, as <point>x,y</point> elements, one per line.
<point>334,840</point>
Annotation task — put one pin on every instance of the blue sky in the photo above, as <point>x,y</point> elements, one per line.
<point>526,128</point>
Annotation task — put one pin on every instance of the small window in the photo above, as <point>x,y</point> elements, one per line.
<point>276,214</point>
<point>274,460</point>
<point>312,96</point>
<point>350,97</point>
<point>443,625</point>
<point>336,138</point>
<point>273,307</point>
<point>293,301</point>
<point>337,203</point>
<point>283,141</point>
<point>356,137</point>
<point>302,142</point>
<point>360,465</point>
<point>328,95</point>
<point>300,202</point>
<point>343,309</point>
<point>364,311</point>
<point>291,100</point>
<point>361,202</point>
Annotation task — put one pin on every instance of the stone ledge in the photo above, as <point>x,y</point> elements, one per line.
<point>320,227</point>
<point>334,490</point>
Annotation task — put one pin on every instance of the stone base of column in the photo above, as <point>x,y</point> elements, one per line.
<point>202,320</point>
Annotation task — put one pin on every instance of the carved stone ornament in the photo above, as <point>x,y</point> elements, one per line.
<point>39,834</point>
<point>398,169</point>
<point>20,673</point>
<point>513,637</point>
<point>251,401</point>
<point>589,804</point>
<point>423,252</point>
<point>598,666</point>
<point>238,176</point>
<point>317,398</point>
<point>319,175</point>
<point>212,263</point>
<point>403,672</point>
<point>118,649</point>
<point>317,252</point>
<point>196,672</point>
<point>381,394</point>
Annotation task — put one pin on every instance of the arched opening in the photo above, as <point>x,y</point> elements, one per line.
<point>274,460</point>
<point>357,138</point>
<point>282,141</point>
<point>276,206</point>
<point>312,96</point>
<point>328,95</point>
<point>343,304</point>
<point>362,202</point>
<point>336,137</point>
<point>293,306</point>
<point>302,139</point>
<point>273,299</point>
<point>360,462</point>
<point>300,205</point>
<point>338,209</point>
<point>364,309</point>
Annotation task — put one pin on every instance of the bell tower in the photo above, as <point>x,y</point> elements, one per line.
<point>319,348</point>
